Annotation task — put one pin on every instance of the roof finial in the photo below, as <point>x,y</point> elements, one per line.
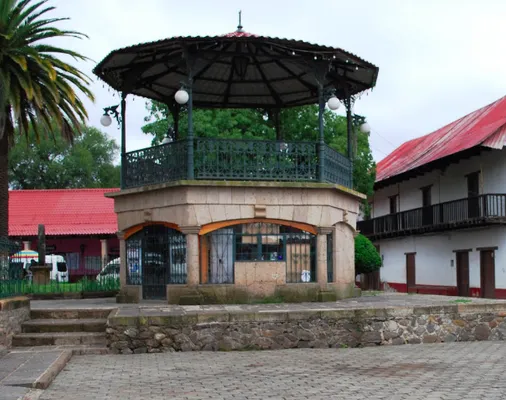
<point>239,27</point>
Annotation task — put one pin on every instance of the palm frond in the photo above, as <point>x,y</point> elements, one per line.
<point>39,89</point>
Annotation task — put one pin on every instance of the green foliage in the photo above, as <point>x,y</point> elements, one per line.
<point>54,163</point>
<point>296,124</point>
<point>367,258</point>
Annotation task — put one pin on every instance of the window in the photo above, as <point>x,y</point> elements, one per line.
<point>259,242</point>
<point>393,203</point>
<point>92,263</point>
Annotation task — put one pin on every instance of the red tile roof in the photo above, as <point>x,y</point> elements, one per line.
<point>62,211</point>
<point>484,127</point>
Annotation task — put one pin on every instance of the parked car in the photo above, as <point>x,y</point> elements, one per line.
<point>110,271</point>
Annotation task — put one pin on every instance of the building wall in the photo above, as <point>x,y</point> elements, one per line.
<point>447,185</point>
<point>435,253</point>
<point>75,256</point>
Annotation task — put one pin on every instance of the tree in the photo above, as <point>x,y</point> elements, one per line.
<point>296,124</point>
<point>367,258</point>
<point>37,88</point>
<point>55,163</point>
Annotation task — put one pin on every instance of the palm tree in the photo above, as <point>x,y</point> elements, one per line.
<point>37,88</point>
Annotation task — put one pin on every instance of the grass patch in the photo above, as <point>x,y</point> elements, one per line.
<point>269,300</point>
<point>461,301</point>
<point>371,292</point>
<point>23,287</point>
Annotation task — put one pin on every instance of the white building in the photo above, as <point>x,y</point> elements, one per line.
<point>439,209</point>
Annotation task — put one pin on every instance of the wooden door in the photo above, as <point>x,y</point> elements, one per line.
<point>426,204</point>
<point>410,270</point>
<point>473,191</point>
<point>462,273</point>
<point>487,273</point>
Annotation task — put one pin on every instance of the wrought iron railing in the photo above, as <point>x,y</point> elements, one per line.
<point>234,159</point>
<point>470,210</point>
<point>157,164</point>
<point>337,168</point>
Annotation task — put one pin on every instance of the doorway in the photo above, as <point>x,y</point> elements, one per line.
<point>487,273</point>
<point>473,191</point>
<point>394,217</point>
<point>426,206</point>
<point>410,270</point>
<point>462,273</point>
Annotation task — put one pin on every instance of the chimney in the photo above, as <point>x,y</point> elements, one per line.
<point>26,245</point>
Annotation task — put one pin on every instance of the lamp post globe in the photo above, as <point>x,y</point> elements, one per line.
<point>365,127</point>
<point>333,103</point>
<point>105,120</point>
<point>181,96</point>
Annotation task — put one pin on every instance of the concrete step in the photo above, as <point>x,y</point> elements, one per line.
<point>77,313</point>
<point>80,349</point>
<point>59,338</point>
<point>64,325</point>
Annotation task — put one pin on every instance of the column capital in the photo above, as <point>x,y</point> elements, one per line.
<point>121,235</point>
<point>325,230</point>
<point>195,229</point>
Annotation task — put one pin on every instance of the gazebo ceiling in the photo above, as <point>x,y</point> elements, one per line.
<point>237,70</point>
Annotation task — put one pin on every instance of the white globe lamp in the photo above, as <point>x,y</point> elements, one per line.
<point>166,140</point>
<point>333,103</point>
<point>365,127</point>
<point>105,120</point>
<point>181,96</point>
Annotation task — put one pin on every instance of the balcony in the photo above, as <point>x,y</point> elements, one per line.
<point>231,159</point>
<point>463,213</point>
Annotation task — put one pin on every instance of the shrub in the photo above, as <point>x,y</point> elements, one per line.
<point>367,258</point>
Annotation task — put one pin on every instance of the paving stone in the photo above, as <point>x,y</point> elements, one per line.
<point>445,371</point>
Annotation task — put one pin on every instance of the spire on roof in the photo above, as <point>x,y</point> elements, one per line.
<point>239,27</point>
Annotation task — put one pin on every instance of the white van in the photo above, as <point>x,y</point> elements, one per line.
<point>59,271</point>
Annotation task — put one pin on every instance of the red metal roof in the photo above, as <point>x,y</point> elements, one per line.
<point>240,34</point>
<point>62,211</point>
<point>484,127</point>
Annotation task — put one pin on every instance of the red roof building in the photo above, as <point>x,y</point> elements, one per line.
<point>80,225</point>
<point>467,136</point>
<point>63,212</point>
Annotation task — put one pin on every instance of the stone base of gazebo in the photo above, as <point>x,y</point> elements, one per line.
<point>237,294</point>
<point>196,209</point>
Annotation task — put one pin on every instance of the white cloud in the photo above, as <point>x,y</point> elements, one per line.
<point>438,59</point>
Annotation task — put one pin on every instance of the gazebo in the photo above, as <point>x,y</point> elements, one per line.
<point>206,220</point>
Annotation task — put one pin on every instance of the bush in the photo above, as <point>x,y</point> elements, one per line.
<point>367,258</point>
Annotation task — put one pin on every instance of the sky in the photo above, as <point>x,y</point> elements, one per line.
<point>438,59</point>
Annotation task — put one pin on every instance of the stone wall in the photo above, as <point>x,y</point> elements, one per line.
<point>13,312</point>
<point>313,329</point>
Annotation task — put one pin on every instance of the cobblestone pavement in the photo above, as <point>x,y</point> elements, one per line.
<point>441,371</point>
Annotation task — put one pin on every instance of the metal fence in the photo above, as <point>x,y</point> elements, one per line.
<point>20,275</point>
<point>156,257</point>
<point>259,242</point>
<point>236,159</point>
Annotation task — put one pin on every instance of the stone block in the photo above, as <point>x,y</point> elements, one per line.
<point>482,332</point>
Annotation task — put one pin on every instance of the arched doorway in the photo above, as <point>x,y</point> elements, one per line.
<point>256,242</point>
<point>156,257</point>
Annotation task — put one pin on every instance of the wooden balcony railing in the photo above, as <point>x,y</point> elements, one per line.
<point>479,210</point>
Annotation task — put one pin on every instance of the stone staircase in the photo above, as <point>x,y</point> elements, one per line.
<point>77,329</point>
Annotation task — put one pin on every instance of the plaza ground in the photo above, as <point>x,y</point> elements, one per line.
<point>440,371</point>
<point>463,370</point>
